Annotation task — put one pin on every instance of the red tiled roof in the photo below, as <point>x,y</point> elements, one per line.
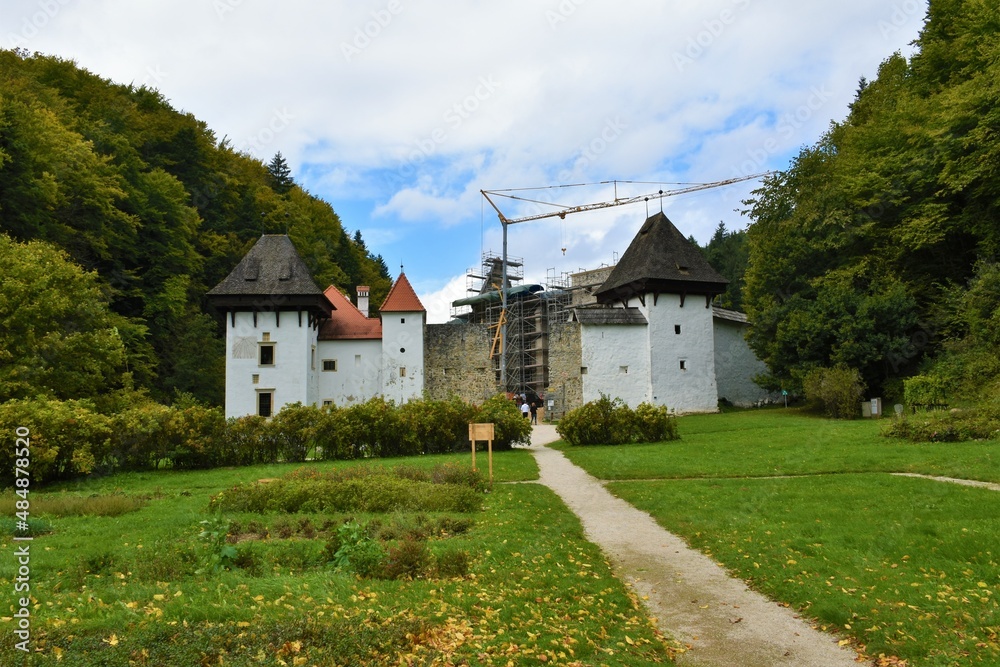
<point>347,322</point>
<point>402,298</point>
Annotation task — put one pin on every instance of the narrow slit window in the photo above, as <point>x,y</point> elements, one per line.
<point>683,364</point>
<point>677,329</point>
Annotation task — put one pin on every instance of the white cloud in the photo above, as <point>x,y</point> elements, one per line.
<point>412,108</point>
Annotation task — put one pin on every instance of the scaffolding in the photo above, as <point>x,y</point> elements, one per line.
<point>529,310</point>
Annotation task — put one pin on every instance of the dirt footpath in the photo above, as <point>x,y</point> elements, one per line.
<point>693,598</point>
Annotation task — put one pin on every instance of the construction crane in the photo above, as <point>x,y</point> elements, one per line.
<point>562,212</point>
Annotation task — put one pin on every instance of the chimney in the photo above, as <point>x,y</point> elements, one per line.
<point>363,299</point>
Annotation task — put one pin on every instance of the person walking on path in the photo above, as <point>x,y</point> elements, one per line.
<point>524,409</point>
<point>534,413</point>
<point>718,617</point>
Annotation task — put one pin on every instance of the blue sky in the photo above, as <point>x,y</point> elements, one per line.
<point>399,112</point>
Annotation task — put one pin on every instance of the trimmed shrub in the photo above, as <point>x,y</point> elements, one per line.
<point>377,491</point>
<point>947,426</point>
<point>654,423</point>
<point>378,430</point>
<point>438,427</point>
<point>192,436</point>
<point>836,390</point>
<point>609,421</point>
<point>293,429</point>
<point>248,440</point>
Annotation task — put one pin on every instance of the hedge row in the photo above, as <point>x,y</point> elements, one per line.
<point>612,422</point>
<point>69,439</point>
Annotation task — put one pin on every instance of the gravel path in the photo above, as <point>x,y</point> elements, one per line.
<point>693,598</point>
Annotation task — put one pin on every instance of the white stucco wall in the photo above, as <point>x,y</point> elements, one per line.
<point>359,371</point>
<point>402,348</point>
<point>693,387</point>
<point>736,365</point>
<point>616,359</point>
<point>291,376</point>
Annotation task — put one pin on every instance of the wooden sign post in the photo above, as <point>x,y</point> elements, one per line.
<point>479,432</point>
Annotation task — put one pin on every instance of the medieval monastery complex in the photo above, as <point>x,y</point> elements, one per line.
<point>643,330</point>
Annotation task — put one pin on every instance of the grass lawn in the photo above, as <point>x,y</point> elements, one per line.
<point>908,567</point>
<point>758,443</point>
<point>137,588</point>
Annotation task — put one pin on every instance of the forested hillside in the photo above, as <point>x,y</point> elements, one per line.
<point>158,210</point>
<point>876,249</point>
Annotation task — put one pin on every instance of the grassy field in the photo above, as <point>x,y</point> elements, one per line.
<point>144,585</point>
<point>907,567</point>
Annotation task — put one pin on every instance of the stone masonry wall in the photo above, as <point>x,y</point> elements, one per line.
<point>456,362</point>
<point>565,390</point>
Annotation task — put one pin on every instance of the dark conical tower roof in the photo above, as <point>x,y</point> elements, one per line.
<point>660,261</point>
<point>271,276</point>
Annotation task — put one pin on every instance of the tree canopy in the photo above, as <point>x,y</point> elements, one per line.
<point>854,247</point>
<point>148,200</point>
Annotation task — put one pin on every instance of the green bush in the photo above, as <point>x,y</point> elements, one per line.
<point>608,421</point>
<point>925,391</point>
<point>836,390</point>
<point>192,436</point>
<point>407,559</point>
<point>654,423</point>
<point>335,434</point>
<point>66,439</point>
<point>377,490</point>
<point>352,548</point>
<point>248,440</point>
<point>981,423</point>
<point>378,430</point>
<point>509,425</point>
<point>293,429</point>
<point>438,427</point>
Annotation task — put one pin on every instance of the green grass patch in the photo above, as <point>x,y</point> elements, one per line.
<point>63,504</point>
<point>803,509</point>
<point>908,567</point>
<point>785,442</point>
<point>158,586</point>
<point>443,488</point>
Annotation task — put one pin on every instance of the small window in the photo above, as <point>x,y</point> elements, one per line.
<point>402,320</point>
<point>266,354</point>
<point>677,329</point>
<point>266,336</point>
<point>683,365</point>
<point>402,350</point>
<point>312,358</point>
<point>265,403</point>
<point>256,379</point>
<point>357,361</point>
<point>330,365</point>
<point>583,370</point>
<point>623,370</point>
<point>327,404</point>
<point>402,371</point>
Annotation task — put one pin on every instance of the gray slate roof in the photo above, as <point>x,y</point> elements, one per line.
<point>272,267</point>
<point>660,260</point>
<point>597,316</point>
<point>271,277</point>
